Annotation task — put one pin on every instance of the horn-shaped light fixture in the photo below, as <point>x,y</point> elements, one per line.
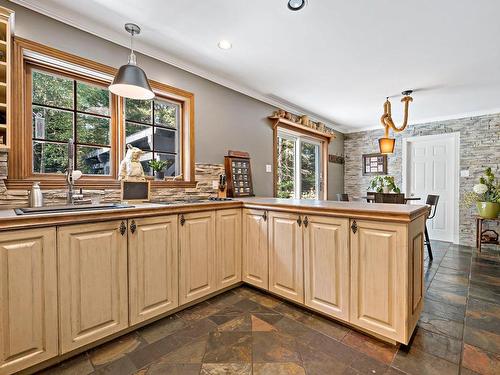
<point>131,81</point>
<point>386,144</point>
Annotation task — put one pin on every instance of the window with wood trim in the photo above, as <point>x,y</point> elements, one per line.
<point>67,110</point>
<point>60,97</point>
<point>154,126</point>
<point>300,164</point>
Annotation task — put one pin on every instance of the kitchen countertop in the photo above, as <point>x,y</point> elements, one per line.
<point>358,210</point>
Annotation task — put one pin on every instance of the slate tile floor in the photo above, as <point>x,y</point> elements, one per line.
<point>247,332</point>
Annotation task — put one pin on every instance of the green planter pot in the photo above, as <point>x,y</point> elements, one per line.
<point>488,210</point>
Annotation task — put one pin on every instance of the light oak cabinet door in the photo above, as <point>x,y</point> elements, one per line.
<point>93,293</point>
<point>228,228</point>
<point>28,298</point>
<point>378,271</point>
<point>152,267</point>
<point>255,263</point>
<point>285,256</point>
<point>326,265</point>
<point>197,256</point>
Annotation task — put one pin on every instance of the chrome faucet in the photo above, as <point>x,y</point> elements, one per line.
<point>71,176</point>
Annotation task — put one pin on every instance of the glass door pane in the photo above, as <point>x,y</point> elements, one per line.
<point>309,170</point>
<point>285,187</point>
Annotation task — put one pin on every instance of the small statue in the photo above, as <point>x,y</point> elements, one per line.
<point>304,120</point>
<point>288,115</point>
<point>130,166</point>
<point>280,113</point>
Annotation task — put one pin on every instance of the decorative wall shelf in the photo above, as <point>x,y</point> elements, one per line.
<point>300,127</point>
<point>6,32</point>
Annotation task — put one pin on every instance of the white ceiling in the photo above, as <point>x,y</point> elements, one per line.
<point>336,59</point>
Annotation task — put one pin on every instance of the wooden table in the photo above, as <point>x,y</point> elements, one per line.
<point>371,198</point>
<point>480,232</point>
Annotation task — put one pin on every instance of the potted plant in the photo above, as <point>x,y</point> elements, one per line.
<point>486,195</point>
<point>158,167</point>
<point>384,184</point>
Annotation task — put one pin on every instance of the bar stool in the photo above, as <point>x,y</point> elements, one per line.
<point>432,201</point>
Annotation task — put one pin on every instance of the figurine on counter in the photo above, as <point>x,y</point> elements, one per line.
<point>131,167</point>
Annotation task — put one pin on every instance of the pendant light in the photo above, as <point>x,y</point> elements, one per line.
<point>386,144</point>
<point>131,81</point>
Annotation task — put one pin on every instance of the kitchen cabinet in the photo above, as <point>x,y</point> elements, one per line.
<point>326,265</point>
<point>379,277</point>
<point>286,255</point>
<point>228,235</point>
<point>197,255</point>
<point>152,267</point>
<point>28,298</point>
<point>255,261</point>
<point>93,296</point>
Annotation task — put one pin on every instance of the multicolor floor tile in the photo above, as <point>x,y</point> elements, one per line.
<point>247,332</point>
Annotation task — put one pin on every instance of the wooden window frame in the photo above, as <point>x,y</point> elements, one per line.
<point>20,173</point>
<point>323,140</point>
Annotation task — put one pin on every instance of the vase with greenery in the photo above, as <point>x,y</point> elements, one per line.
<point>384,184</point>
<point>486,196</point>
<point>158,167</point>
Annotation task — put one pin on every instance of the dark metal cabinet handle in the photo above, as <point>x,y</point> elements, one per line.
<point>299,221</point>
<point>354,227</point>
<point>133,226</point>
<point>123,228</point>
<point>265,216</point>
<point>182,220</point>
<point>306,221</point>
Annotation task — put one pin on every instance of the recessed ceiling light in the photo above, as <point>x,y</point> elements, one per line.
<point>296,4</point>
<point>225,44</point>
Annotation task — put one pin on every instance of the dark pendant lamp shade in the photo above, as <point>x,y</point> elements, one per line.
<point>386,145</point>
<point>131,82</point>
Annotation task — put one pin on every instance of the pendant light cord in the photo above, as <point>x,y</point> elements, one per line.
<point>131,59</point>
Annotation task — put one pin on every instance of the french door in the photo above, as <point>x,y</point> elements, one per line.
<point>298,167</point>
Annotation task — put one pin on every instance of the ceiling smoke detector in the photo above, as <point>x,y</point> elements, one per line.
<point>296,5</point>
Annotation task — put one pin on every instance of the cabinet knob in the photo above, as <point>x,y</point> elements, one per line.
<point>133,226</point>
<point>299,221</point>
<point>265,216</point>
<point>123,228</point>
<point>182,220</point>
<point>306,221</point>
<point>354,227</point>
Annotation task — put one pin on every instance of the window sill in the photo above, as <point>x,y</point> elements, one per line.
<point>108,184</point>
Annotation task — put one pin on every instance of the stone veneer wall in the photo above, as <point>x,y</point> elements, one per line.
<point>479,148</point>
<point>205,175</point>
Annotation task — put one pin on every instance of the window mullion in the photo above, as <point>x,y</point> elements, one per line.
<point>74,125</point>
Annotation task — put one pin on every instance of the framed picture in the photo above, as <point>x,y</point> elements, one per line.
<point>374,164</point>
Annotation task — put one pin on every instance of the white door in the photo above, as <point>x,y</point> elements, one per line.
<point>431,168</point>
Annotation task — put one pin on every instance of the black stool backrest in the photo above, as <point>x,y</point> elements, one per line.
<point>343,197</point>
<point>432,200</point>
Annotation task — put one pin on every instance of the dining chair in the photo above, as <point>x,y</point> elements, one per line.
<point>370,197</point>
<point>343,197</point>
<point>389,198</point>
<point>432,201</point>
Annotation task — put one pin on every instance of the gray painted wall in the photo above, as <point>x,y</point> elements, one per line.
<point>224,119</point>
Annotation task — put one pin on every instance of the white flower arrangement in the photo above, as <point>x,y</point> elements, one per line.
<point>480,189</point>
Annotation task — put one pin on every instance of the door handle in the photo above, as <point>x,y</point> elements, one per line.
<point>354,227</point>
<point>265,216</point>
<point>133,226</point>
<point>123,228</point>
<point>299,221</point>
<point>306,221</point>
<point>182,220</point>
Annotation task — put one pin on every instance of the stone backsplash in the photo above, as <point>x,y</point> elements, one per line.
<point>205,175</point>
<point>479,148</point>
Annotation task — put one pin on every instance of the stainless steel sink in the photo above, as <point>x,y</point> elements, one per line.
<point>70,208</point>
